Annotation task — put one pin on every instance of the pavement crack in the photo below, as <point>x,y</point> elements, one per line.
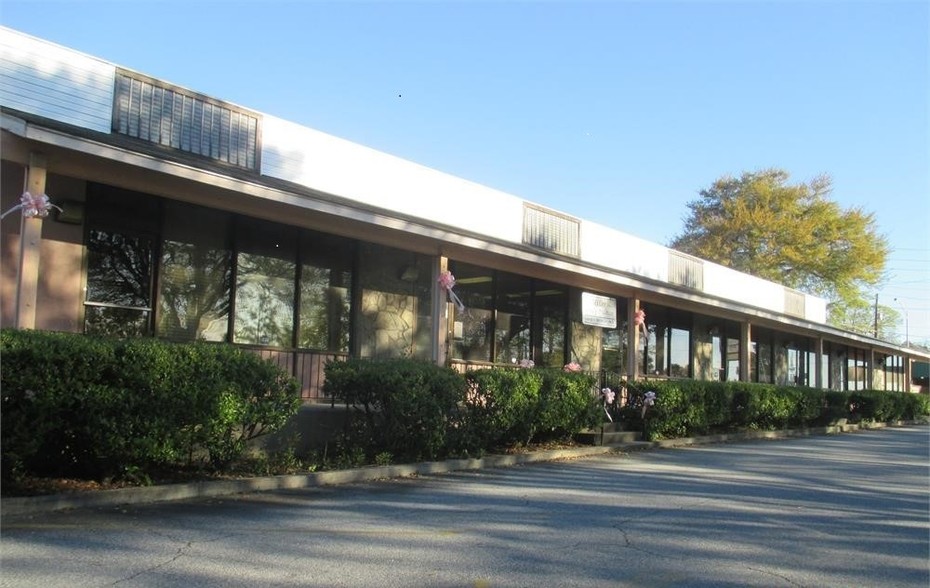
<point>181,552</point>
<point>774,574</point>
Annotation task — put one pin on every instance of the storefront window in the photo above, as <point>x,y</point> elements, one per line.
<point>512,325</point>
<point>668,352</point>
<point>598,333</point>
<point>551,306</point>
<point>680,353</point>
<point>120,258</point>
<point>265,278</point>
<point>472,325</point>
<point>395,317</point>
<point>325,292</point>
<point>195,277</point>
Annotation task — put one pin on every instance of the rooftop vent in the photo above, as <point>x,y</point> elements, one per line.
<point>551,231</point>
<point>685,270</point>
<point>161,114</point>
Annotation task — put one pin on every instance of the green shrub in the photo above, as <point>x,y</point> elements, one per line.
<point>686,408</point>
<point>566,405</point>
<point>404,407</point>
<point>502,406</point>
<point>94,408</point>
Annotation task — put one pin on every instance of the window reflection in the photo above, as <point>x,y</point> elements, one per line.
<point>265,284</point>
<point>195,277</point>
<point>472,326</point>
<point>325,293</point>
<point>512,327</point>
<point>119,277</point>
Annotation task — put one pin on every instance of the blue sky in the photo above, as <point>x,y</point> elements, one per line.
<point>614,111</point>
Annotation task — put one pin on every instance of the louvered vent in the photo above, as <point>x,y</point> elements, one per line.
<point>794,303</point>
<point>164,115</point>
<point>685,270</point>
<point>550,231</point>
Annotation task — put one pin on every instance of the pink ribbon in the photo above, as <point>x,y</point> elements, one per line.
<point>608,395</point>
<point>32,206</point>
<point>639,321</point>
<point>648,400</point>
<point>447,282</point>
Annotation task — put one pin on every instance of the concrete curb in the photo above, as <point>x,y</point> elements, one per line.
<point>210,489</point>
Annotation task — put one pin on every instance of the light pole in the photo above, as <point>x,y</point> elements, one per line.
<point>907,339</point>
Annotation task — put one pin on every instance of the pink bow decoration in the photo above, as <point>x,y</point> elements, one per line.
<point>648,400</point>
<point>32,206</point>
<point>639,321</point>
<point>447,282</point>
<point>608,396</point>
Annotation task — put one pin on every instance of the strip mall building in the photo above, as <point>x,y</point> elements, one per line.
<point>185,217</point>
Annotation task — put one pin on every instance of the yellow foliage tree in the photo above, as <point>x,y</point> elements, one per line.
<point>793,234</point>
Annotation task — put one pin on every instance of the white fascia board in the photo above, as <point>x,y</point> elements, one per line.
<point>339,167</point>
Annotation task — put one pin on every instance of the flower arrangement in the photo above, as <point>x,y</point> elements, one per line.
<point>571,367</point>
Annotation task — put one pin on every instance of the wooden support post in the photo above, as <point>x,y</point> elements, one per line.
<point>632,341</point>
<point>745,343</point>
<point>440,314</point>
<point>27,286</point>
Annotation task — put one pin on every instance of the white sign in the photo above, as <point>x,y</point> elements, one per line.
<point>598,311</point>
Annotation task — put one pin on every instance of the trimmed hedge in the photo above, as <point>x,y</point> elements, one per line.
<point>406,408</point>
<point>412,410</point>
<point>687,408</point>
<point>94,408</point>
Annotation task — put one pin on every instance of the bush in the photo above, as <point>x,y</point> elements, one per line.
<point>404,407</point>
<point>93,408</point>
<point>566,405</point>
<point>685,408</point>
<point>502,406</point>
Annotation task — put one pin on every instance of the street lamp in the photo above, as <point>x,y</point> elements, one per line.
<point>907,339</point>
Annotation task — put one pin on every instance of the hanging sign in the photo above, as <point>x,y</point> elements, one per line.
<point>598,311</point>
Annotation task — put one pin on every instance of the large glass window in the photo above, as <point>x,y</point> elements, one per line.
<point>551,308</point>
<point>728,344</point>
<point>680,353</point>
<point>473,325</point>
<point>761,350</point>
<point>615,343</point>
<point>668,351</point>
<point>265,278</point>
<point>395,316</point>
<point>195,277</point>
<point>325,292</point>
<point>121,242</point>
<point>731,350</point>
<point>119,273</point>
<point>601,346</point>
<point>857,369</point>
<point>893,367</point>
<point>512,324</point>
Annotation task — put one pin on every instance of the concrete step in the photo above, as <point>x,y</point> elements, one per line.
<point>608,437</point>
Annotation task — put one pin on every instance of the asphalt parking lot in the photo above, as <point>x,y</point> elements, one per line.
<point>830,510</point>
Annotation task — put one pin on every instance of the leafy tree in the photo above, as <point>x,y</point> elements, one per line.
<point>859,316</point>
<point>793,234</point>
